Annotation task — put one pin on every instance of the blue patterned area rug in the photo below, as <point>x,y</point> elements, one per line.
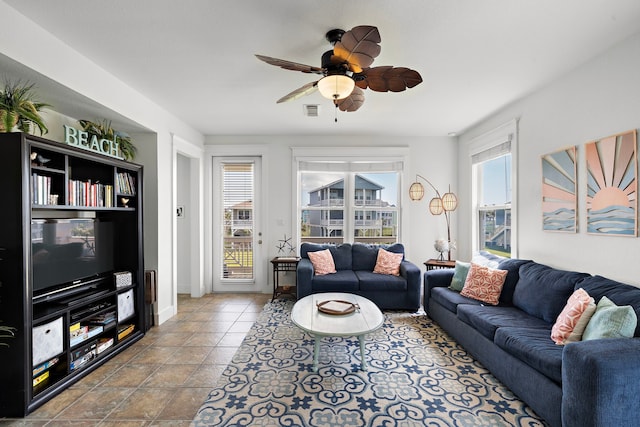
<point>417,376</point>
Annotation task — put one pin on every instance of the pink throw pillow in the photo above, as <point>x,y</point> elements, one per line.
<point>322,262</point>
<point>388,262</point>
<point>573,318</point>
<point>484,284</point>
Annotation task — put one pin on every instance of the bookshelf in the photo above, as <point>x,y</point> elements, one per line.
<point>71,222</point>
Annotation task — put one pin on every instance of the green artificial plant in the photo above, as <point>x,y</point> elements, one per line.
<point>103,130</point>
<point>6,332</point>
<point>20,107</point>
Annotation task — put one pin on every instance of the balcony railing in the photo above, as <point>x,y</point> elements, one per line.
<point>360,202</point>
<point>369,223</point>
<point>238,257</point>
<point>340,202</point>
<point>239,224</point>
<point>328,202</point>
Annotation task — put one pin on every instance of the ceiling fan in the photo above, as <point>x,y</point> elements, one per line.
<point>345,69</point>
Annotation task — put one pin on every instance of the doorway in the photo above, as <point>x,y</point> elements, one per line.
<point>236,219</point>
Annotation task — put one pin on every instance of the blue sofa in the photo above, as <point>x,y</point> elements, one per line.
<point>580,384</point>
<point>354,274</point>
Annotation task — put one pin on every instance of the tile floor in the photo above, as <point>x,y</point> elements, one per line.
<point>162,379</point>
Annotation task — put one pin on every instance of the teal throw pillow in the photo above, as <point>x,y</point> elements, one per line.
<point>611,321</point>
<point>459,276</point>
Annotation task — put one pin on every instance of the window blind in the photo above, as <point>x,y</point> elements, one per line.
<point>492,153</point>
<point>350,166</point>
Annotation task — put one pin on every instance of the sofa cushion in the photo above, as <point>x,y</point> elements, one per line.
<point>543,291</point>
<point>459,275</point>
<point>484,284</point>
<point>365,256</point>
<point>486,258</point>
<point>341,281</point>
<point>611,321</point>
<point>322,262</point>
<point>370,281</point>
<point>573,318</point>
<point>450,299</point>
<point>487,319</point>
<point>388,262</point>
<point>533,347</point>
<point>619,293</point>
<point>512,266</point>
<point>341,253</point>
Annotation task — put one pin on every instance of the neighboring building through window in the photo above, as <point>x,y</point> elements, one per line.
<point>369,214</point>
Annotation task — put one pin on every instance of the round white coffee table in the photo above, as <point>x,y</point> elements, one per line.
<point>365,319</point>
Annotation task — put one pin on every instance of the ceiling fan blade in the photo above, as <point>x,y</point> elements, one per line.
<point>288,65</point>
<point>358,47</point>
<point>307,89</point>
<point>353,101</point>
<point>388,79</point>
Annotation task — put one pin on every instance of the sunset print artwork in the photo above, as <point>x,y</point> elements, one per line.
<point>612,185</point>
<point>559,191</point>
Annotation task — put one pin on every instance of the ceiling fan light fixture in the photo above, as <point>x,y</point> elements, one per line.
<point>336,86</point>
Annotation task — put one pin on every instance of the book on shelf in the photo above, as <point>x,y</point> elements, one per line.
<point>83,355</point>
<point>103,344</point>
<point>40,378</point>
<point>44,366</point>
<point>126,184</point>
<point>91,332</point>
<point>124,331</point>
<point>103,319</point>
<point>91,194</point>
<point>75,332</point>
<point>40,189</point>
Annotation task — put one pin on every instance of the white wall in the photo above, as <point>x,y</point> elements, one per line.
<point>430,157</point>
<point>598,99</point>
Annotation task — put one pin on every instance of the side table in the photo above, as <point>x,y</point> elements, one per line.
<point>432,264</point>
<point>282,265</point>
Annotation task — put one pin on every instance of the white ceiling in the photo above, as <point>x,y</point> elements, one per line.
<point>195,58</point>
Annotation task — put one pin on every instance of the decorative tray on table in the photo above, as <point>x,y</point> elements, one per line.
<point>336,307</point>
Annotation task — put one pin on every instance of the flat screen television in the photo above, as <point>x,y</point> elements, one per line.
<point>69,252</point>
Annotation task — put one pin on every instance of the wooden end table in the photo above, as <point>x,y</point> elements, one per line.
<point>281,265</point>
<point>433,264</point>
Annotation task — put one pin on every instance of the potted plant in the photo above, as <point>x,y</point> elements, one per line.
<point>103,130</point>
<point>20,107</point>
<point>6,332</point>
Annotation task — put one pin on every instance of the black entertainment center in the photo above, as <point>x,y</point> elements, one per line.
<point>71,266</point>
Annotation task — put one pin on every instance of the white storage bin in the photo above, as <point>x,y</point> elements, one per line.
<point>48,341</point>
<point>126,308</point>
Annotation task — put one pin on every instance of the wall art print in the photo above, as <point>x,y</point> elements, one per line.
<point>612,184</point>
<point>559,202</point>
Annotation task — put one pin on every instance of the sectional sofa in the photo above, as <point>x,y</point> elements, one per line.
<point>354,266</point>
<point>579,384</point>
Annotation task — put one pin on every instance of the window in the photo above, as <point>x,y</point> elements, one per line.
<point>348,194</point>
<point>494,205</point>
<point>493,184</point>
<point>369,213</point>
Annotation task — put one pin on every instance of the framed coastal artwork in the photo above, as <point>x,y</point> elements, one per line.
<point>559,202</point>
<point>612,185</point>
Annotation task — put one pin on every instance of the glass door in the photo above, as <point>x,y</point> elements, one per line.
<point>236,235</point>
